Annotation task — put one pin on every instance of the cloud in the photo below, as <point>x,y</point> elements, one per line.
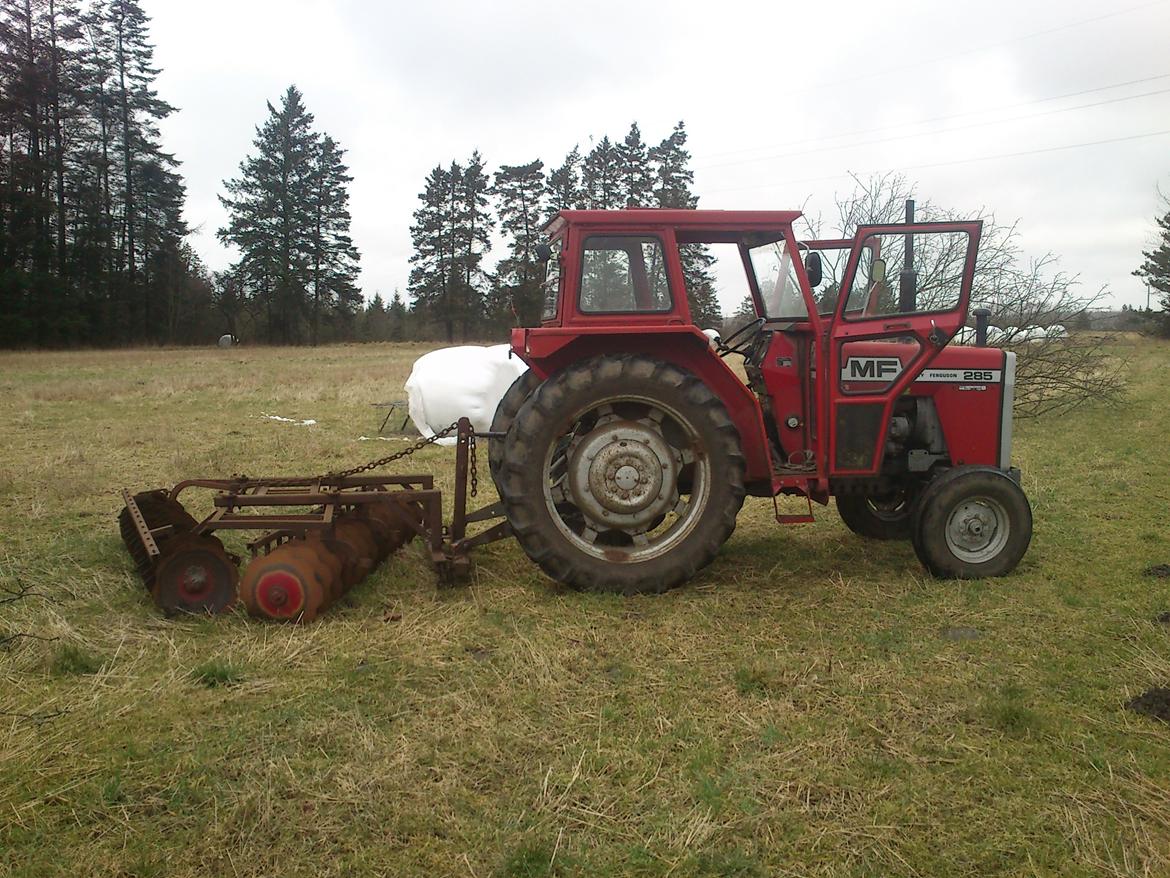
<point>406,86</point>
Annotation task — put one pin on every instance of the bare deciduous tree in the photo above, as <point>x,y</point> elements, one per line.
<point>1033,303</point>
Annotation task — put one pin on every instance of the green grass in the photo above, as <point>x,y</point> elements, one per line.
<point>811,705</point>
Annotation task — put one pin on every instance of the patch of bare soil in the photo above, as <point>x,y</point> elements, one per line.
<point>1158,571</point>
<point>1153,703</point>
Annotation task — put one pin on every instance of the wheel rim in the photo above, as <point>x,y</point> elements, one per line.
<point>196,577</point>
<point>628,481</point>
<point>893,508</point>
<point>977,529</point>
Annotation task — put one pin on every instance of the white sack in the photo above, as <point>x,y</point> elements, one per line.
<point>451,383</point>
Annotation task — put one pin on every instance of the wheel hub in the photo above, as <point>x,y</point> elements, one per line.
<point>977,529</point>
<point>622,476</point>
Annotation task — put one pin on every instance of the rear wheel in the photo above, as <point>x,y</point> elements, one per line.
<point>972,522</point>
<point>879,518</point>
<point>622,474</point>
<point>506,412</point>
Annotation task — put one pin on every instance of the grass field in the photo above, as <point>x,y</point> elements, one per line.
<point>812,705</point>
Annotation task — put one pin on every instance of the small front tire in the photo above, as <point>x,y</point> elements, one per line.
<point>878,518</point>
<point>972,522</point>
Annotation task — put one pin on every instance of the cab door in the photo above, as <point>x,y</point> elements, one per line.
<point>904,294</point>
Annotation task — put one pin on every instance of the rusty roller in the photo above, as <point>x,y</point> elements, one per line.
<point>194,575</point>
<point>352,542</point>
<point>289,584</point>
<point>333,566</point>
<point>389,529</point>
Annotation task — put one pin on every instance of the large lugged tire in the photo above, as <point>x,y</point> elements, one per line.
<point>878,518</point>
<point>622,474</point>
<point>972,522</point>
<point>506,412</point>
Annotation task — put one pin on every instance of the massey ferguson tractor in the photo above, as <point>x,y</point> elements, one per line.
<point>623,455</point>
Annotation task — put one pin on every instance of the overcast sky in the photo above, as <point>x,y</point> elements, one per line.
<point>1053,113</point>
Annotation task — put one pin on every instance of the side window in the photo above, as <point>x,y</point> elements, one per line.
<point>623,273</point>
<point>933,282</point>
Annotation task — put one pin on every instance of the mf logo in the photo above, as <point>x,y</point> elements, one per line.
<point>883,369</point>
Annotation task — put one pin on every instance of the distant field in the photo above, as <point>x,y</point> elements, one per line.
<point>812,705</point>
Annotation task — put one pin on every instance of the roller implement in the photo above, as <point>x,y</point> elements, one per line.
<point>623,455</point>
<point>317,537</point>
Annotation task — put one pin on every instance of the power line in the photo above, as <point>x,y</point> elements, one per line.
<point>946,118</point>
<point>983,124</point>
<point>972,160</point>
<point>917,65</point>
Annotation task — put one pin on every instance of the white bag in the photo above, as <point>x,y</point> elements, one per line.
<point>467,381</point>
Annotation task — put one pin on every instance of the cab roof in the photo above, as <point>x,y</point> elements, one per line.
<point>686,222</point>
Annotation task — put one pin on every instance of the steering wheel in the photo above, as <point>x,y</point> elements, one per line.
<point>748,331</point>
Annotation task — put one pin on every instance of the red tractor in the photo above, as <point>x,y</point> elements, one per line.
<point>631,442</point>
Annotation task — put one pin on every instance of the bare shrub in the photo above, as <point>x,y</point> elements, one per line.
<point>1035,307</point>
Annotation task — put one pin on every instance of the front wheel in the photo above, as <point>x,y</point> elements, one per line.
<point>972,522</point>
<point>622,474</point>
<point>879,518</point>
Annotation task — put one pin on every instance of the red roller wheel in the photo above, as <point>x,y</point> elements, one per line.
<point>353,541</point>
<point>286,585</point>
<point>195,575</point>
<point>335,588</point>
<point>391,533</point>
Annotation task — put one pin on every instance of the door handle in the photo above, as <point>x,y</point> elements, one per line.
<point>892,326</point>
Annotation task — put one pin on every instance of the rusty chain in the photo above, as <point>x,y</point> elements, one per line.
<point>388,459</point>
<point>398,455</point>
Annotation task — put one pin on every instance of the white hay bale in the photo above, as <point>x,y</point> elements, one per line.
<point>466,381</point>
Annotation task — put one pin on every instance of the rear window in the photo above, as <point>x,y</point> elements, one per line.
<point>552,282</point>
<point>623,274</point>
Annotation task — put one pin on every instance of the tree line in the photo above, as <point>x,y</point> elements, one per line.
<point>453,295</point>
<point>93,247</point>
<point>92,244</point>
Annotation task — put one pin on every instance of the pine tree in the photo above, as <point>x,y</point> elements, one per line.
<point>673,179</point>
<point>636,179</point>
<point>27,244</point>
<point>397,317</point>
<point>334,265</point>
<point>375,322</point>
<point>600,177</point>
<point>474,230</point>
<point>432,236</point>
<point>273,218</point>
<point>1155,269</point>
<point>519,192</point>
<point>563,190</point>
<point>138,109</point>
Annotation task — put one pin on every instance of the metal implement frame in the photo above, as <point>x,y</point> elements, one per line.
<point>266,504</point>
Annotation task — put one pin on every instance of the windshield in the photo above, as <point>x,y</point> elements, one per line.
<point>777,280</point>
<point>551,288</point>
<point>834,259</point>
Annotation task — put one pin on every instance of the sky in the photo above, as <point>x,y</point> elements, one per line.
<point>1055,114</point>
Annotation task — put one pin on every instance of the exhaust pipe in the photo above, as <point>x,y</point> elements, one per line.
<point>982,319</point>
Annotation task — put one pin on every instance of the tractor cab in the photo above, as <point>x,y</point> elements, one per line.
<point>879,307</point>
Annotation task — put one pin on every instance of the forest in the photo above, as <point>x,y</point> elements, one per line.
<point>94,250</point>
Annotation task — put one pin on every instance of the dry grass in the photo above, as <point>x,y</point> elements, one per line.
<point>805,708</point>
